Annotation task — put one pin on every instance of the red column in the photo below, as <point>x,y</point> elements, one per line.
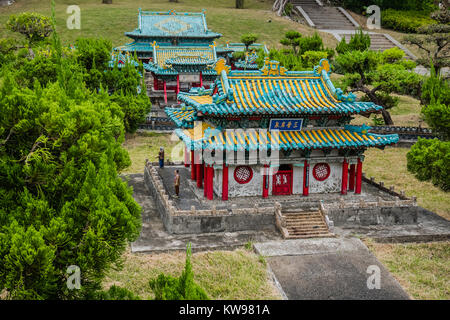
<point>155,82</point>
<point>358,177</point>
<point>224,181</point>
<point>344,177</point>
<point>198,167</point>
<point>165,92</point>
<point>210,192</point>
<point>306,178</point>
<point>192,165</point>
<point>266,181</point>
<point>201,79</point>
<point>205,178</point>
<point>351,185</point>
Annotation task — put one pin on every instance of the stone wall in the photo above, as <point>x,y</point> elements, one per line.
<point>204,221</point>
<point>372,213</point>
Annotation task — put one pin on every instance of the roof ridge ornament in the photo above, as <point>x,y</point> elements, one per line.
<point>221,66</point>
<point>273,68</point>
<point>324,65</point>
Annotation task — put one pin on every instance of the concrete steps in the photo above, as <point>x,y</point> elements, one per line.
<point>305,224</point>
<point>324,17</point>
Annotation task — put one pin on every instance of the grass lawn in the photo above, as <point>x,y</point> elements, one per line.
<point>146,145</point>
<point>421,268</point>
<point>390,166</point>
<point>111,21</point>
<point>225,275</point>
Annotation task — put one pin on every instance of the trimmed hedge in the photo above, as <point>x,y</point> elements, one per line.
<point>405,21</point>
<point>430,160</point>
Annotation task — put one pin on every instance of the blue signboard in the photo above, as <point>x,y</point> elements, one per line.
<point>286,124</point>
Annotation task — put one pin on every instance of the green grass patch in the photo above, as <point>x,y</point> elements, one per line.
<point>111,21</point>
<point>389,166</point>
<point>421,268</point>
<point>146,145</point>
<point>225,275</point>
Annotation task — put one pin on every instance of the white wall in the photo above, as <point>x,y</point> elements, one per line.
<point>331,184</point>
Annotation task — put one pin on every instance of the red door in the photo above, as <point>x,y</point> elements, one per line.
<point>282,183</point>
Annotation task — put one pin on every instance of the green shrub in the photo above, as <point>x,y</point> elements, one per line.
<point>360,41</point>
<point>116,293</point>
<point>360,6</point>
<point>437,115</point>
<point>34,26</point>
<point>310,59</point>
<point>435,88</point>
<point>183,288</point>
<point>405,21</point>
<point>430,160</point>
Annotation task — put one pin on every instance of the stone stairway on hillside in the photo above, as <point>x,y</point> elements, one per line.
<point>380,42</point>
<point>323,17</point>
<point>305,224</point>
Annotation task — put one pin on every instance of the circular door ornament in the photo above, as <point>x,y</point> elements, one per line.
<point>243,174</point>
<point>321,171</point>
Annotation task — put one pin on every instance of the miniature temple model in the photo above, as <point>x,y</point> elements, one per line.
<point>178,51</point>
<point>307,123</point>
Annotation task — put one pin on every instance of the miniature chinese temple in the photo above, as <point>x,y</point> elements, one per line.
<point>177,50</point>
<point>306,121</point>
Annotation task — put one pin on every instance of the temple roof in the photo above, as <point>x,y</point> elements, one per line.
<point>275,91</point>
<point>174,59</point>
<point>182,117</point>
<point>172,24</point>
<point>205,136</point>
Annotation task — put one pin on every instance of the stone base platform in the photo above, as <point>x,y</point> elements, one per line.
<point>377,212</point>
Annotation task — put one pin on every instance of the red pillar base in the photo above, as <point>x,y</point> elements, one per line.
<point>266,183</point>
<point>210,192</point>
<point>344,177</point>
<point>225,182</point>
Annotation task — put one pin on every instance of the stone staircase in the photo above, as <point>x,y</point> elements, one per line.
<point>305,224</point>
<point>322,17</point>
<point>380,42</point>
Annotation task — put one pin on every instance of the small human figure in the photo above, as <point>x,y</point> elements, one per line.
<point>161,157</point>
<point>177,183</point>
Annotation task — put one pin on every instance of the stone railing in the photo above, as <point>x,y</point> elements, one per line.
<point>390,190</point>
<point>280,221</point>
<point>201,220</point>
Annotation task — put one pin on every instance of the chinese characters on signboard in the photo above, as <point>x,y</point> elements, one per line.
<point>286,124</point>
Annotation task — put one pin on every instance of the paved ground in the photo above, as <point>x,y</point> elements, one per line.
<point>154,238</point>
<point>328,268</point>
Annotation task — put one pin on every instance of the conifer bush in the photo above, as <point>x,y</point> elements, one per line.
<point>167,287</point>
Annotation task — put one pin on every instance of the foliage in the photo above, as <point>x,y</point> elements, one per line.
<point>248,39</point>
<point>435,87</point>
<point>300,44</point>
<point>360,6</point>
<point>430,160</point>
<point>116,293</point>
<point>62,202</point>
<point>310,59</point>
<point>288,9</point>
<point>435,42</point>
<point>292,39</point>
<point>167,287</point>
<point>34,26</point>
<point>437,115</point>
<point>405,21</point>
<point>359,41</point>
<point>370,73</point>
